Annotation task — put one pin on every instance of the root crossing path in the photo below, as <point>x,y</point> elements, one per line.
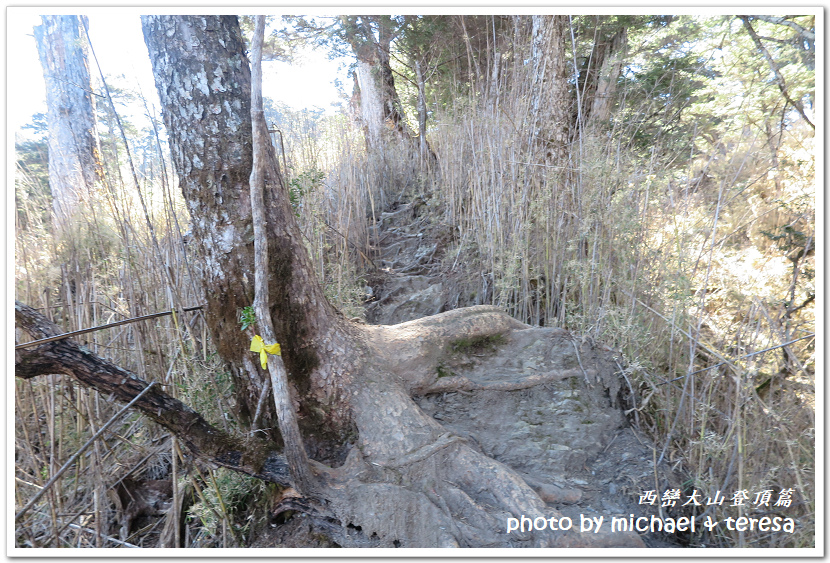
<point>471,422</point>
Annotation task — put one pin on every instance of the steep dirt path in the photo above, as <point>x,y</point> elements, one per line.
<point>543,402</point>
<point>575,448</point>
<point>407,284</point>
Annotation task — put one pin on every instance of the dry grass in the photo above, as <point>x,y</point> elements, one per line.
<point>106,266</point>
<point>690,278</point>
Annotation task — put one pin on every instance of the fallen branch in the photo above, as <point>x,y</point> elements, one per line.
<point>250,456</point>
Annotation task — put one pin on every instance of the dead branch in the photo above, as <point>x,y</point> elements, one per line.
<point>779,78</point>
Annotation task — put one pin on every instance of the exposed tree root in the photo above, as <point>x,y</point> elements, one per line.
<point>412,350</point>
<point>413,484</point>
<point>501,382</point>
<point>444,492</point>
<point>408,481</point>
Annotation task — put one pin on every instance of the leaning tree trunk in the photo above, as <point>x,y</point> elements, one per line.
<point>266,173</point>
<point>74,150</point>
<point>405,479</point>
<point>204,83</point>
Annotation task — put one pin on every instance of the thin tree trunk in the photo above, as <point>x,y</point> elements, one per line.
<point>549,94</point>
<point>609,73</point>
<point>265,170</point>
<point>422,107</point>
<point>426,152</point>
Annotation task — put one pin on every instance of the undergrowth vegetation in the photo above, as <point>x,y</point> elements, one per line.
<point>681,233</point>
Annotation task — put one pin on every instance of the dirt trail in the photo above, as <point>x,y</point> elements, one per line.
<point>574,447</point>
<point>523,398</point>
<point>407,284</point>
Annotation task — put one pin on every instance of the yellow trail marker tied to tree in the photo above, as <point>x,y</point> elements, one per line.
<point>258,345</point>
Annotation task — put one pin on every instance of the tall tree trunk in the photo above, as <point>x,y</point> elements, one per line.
<point>392,107</point>
<point>74,149</point>
<point>204,83</point>
<point>380,104</point>
<point>609,56</point>
<point>371,105</point>
<point>550,100</point>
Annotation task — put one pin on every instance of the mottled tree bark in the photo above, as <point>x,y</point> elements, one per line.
<point>74,149</point>
<point>204,83</point>
<point>550,99</point>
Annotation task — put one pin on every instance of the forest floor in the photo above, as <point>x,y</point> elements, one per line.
<point>576,448</point>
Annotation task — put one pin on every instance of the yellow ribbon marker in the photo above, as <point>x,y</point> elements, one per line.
<point>258,345</point>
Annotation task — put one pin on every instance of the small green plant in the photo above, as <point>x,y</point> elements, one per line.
<point>247,318</point>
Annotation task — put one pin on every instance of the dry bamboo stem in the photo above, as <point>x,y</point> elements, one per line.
<point>77,454</point>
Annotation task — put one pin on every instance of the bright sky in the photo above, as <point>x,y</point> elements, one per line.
<point>119,45</point>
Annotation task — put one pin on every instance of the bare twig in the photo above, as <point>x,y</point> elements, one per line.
<point>802,31</point>
<point>740,358</point>
<point>101,327</point>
